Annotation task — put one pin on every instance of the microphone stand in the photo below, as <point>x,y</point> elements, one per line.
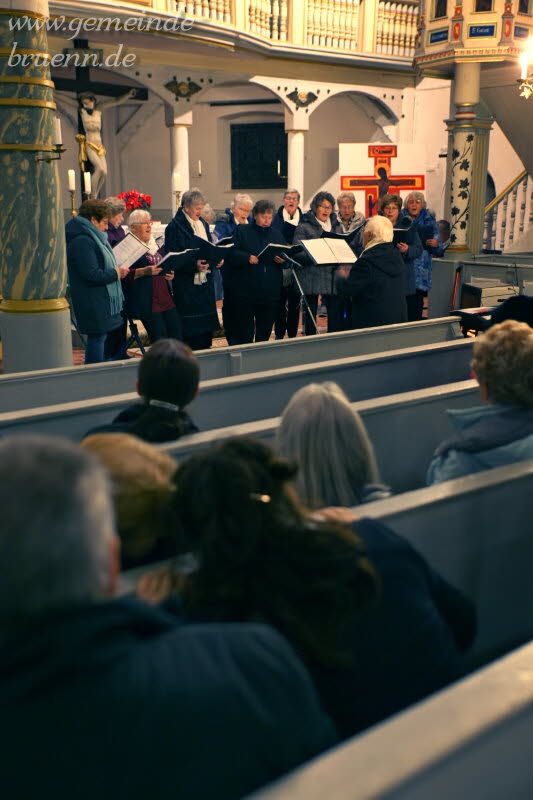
<point>304,302</point>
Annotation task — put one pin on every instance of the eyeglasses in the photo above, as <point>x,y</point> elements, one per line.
<point>327,207</point>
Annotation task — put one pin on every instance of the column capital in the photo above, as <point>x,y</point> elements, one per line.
<point>296,120</point>
<point>172,118</point>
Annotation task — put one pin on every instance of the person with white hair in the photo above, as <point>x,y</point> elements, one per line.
<point>237,214</point>
<point>105,696</point>
<point>148,293</point>
<point>376,283</point>
<point>286,220</point>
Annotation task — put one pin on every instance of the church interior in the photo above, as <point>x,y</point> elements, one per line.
<point>266,306</point>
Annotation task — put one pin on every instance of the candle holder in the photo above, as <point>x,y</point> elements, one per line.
<point>73,212</point>
<point>177,193</point>
<point>56,156</point>
<point>526,86</point>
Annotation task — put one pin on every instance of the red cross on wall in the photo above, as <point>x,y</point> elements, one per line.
<point>381,182</point>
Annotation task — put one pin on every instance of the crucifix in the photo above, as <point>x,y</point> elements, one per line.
<point>92,152</point>
<point>381,182</point>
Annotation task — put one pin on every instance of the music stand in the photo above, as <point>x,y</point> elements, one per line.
<point>303,300</point>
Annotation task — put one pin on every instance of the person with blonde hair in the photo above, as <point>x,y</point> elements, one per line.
<point>142,483</point>
<point>500,431</point>
<point>423,222</point>
<point>376,283</point>
<point>322,433</point>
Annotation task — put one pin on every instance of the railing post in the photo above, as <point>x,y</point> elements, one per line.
<point>369,19</point>
<point>297,22</point>
<point>240,14</point>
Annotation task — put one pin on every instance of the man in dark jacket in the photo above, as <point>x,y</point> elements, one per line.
<point>113,698</point>
<point>376,283</point>
<point>286,220</point>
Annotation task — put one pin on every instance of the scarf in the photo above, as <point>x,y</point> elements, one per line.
<point>294,220</point>
<point>153,247</point>
<point>325,225</point>
<point>198,227</point>
<point>114,290</point>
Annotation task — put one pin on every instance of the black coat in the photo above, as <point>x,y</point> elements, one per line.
<point>405,646</point>
<point>88,277</point>
<point>252,283</point>
<point>285,228</point>
<point>195,303</point>
<point>376,285</point>
<point>412,240</point>
<point>121,700</point>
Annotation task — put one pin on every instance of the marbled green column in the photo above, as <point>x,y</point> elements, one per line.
<point>34,315</point>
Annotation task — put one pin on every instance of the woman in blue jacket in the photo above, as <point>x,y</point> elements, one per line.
<point>94,277</point>
<point>425,225</point>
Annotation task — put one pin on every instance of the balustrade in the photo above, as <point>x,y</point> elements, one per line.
<point>215,10</point>
<point>396,28</point>
<point>505,216</point>
<point>333,24</point>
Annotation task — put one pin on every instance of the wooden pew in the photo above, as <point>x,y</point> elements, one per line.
<point>52,386</point>
<point>261,395</point>
<point>404,428</point>
<point>472,740</point>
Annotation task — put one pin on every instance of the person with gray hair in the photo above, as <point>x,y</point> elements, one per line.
<point>126,695</point>
<point>194,291</point>
<point>115,231</point>
<point>376,283</point>
<point>148,292</point>
<point>326,437</point>
<point>422,221</point>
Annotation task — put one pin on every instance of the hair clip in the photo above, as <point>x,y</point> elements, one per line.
<point>260,498</point>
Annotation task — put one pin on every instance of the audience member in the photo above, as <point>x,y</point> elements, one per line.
<point>108,697</point>
<point>374,638</point>
<point>376,283</point>
<point>194,293</point>
<point>408,242</point>
<point>501,431</point>
<point>252,283</point>
<point>169,376</point>
<point>326,437</point>
<point>94,278</point>
<point>286,220</point>
<point>142,483</point>
<point>424,223</point>
<point>317,280</point>
<point>149,294</point>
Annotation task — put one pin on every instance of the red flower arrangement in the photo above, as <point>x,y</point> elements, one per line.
<point>135,199</point>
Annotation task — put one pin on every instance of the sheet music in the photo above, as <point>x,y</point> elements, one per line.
<point>342,251</point>
<point>129,250</point>
<point>319,250</point>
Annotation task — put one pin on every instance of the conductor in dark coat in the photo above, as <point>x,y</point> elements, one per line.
<point>252,285</point>
<point>376,283</point>
<point>194,291</point>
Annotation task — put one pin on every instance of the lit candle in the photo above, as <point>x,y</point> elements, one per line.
<point>58,138</point>
<point>199,168</point>
<point>87,182</point>
<point>279,167</point>
<point>71,180</point>
<point>524,63</point>
<point>176,181</point>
